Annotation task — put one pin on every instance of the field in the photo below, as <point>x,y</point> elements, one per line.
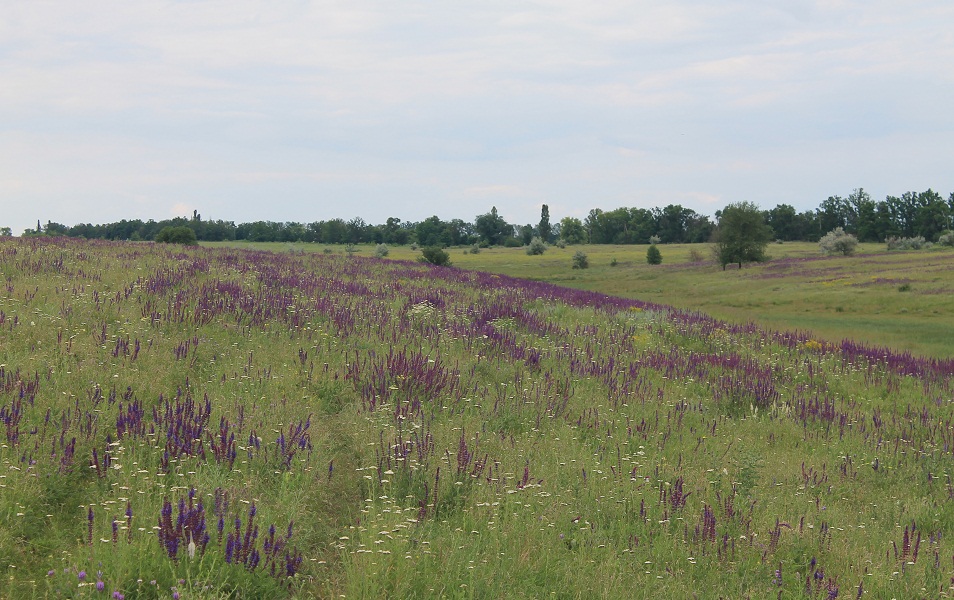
<point>903,300</point>
<point>226,422</point>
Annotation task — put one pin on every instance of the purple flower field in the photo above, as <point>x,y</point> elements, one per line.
<point>232,423</point>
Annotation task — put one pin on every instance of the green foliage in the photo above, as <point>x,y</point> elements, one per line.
<point>741,235</point>
<point>492,228</point>
<point>912,243</point>
<point>468,435</point>
<point>177,235</point>
<point>475,249</point>
<point>381,250</point>
<point>5,232</point>
<point>572,231</point>
<point>435,256</point>
<point>580,261</point>
<point>544,230</point>
<point>837,241</point>
<point>536,247</point>
<point>946,238</point>
<point>653,255</point>
<point>512,242</point>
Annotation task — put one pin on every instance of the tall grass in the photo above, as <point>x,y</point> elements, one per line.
<point>234,423</point>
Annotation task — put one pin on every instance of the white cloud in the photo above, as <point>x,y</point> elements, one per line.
<point>258,108</point>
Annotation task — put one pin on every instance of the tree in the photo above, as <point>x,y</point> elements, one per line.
<point>492,228</point>
<point>580,260</point>
<point>432,232</point>
<point>544,230</point>
<point>653,255</point>
<point>435,256</point>
<point>571,230</point>
<point>176,235</point>
<point>741,235</point>
<point>5,232</point>
<point>837,241</point>
<point>536,246</point>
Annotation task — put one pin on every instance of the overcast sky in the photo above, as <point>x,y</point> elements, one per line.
<point>305,111</point>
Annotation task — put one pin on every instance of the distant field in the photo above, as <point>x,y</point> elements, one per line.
<point>903,300</point>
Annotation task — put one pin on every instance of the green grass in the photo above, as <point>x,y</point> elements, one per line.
<point>469,435</point>
<point>836,298</point>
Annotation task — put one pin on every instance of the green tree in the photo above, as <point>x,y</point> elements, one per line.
<point>580,260</point>
<point>5,232</point>
<point>177,235</point>
<point>435,256</point>
<point>544,230</point>
<point>741,235</point>
<point>572,231</point>
<point>653,255</point>
<point>492,228</point>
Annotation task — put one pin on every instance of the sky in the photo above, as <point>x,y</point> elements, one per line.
<point>305,111</point>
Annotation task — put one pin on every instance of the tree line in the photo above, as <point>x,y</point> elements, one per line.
<point>911,214</point>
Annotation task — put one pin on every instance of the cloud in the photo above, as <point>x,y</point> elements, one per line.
<point>311,109</point>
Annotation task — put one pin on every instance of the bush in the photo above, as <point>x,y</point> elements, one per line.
<point>580,261</point>
<point>435,256</point>
<point>536,246</point>
<point>913,243</point>
<point>614,262</point>
<point>382,250</point>
<point>177,235</point>
<point>512,242</point>
<point>946,238</point>
<point>351,249</point>
<point>475,249</point>
<point>653,255</point>
<point>561,243</point>
<point>654,239</point>
<point>696,256</point>
<point>837,241</point>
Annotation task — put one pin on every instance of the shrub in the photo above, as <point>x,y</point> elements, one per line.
<point>382,250</point>
<point>614,262</point>
<point>837,241</point>
<point>475,249</point>
<point>435,256</point>
<point>946,238</point>
<point>351,249</point>
<point>177,235</point>
<point>580,261</point>
<point>512,242</point>
<point>654,239</point>
<point>912,243</point>
<point>696,256</point>
<point>653,255</point>
<point>327,250</point>
<point>561,243</point>
<point>536,246</point>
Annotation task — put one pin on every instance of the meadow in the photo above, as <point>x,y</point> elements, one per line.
<point>230,422</point>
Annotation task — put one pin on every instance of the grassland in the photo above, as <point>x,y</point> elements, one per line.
<point>222,422</point>
<point>902,300</point>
